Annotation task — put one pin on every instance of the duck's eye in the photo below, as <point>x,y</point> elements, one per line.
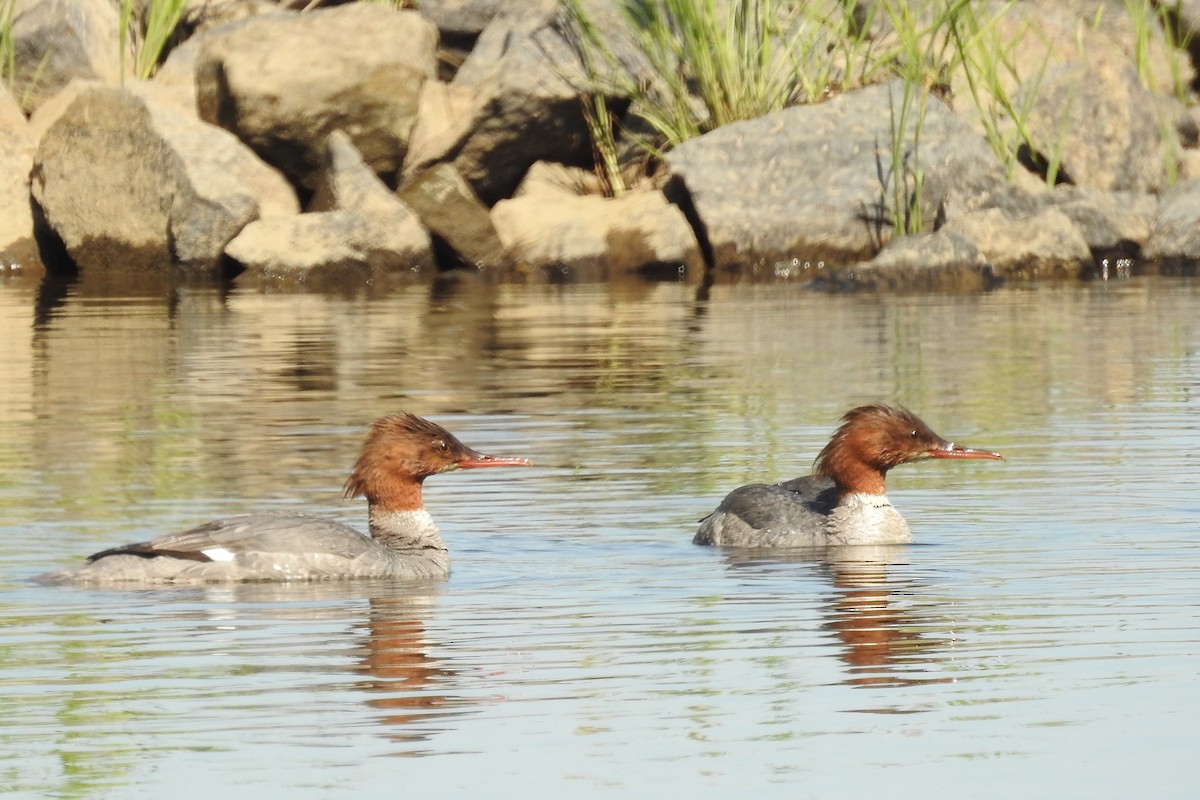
<point>913,434</point>
<point>440,444</point>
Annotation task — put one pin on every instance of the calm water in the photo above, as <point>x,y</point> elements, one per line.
<point>1041,640</point>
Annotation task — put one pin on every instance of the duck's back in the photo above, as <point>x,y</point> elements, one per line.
<point>794,513</point>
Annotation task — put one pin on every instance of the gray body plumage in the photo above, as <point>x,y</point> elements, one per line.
<point>802,512</point>
<point>274,547</point>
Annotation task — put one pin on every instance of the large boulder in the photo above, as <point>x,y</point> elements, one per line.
<point>355,226</point>
<point>17,146</point>
<point>127,181</point>
<point>814,183</point>
<point>550,225</point>
<point>283,82</point>
<point>1101,126</point>
<point>57,41</point>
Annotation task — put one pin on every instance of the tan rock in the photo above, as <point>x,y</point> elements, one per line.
<point>128,182</point>
<point>17,146</point>
<point>355,227</point>
<point>547,225</point>
<point>283,82</point>
<point>446,206</point>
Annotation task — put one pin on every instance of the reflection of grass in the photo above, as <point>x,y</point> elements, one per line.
<point>70,650</point>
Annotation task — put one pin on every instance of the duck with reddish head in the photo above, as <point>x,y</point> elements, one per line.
<point>844,501</point>
<point>399,453</point>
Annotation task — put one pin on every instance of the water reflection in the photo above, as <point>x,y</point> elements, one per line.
<point>383,634</point>
<point>376,629</point>
<point>1050,611</point>
<point>412,688</point>
<point>876,608</point>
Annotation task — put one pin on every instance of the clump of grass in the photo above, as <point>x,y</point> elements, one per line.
<point>162,18</point>
<point>1148,18</point>
<point>716,62</point>
<point>923,57</point>
<point>988,65</point>
<point>597,115</point>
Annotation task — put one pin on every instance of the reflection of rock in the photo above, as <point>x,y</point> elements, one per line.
<point>881,641</point>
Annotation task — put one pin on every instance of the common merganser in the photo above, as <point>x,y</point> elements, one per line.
<point>399,453</point>
<point>844,501</point>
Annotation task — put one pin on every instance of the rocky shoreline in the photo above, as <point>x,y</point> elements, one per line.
<point>346,143</point>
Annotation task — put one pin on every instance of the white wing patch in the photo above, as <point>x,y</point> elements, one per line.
<point>218,554</point>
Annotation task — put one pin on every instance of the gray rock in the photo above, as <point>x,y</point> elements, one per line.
<point>1103,127</point>
<point>128,182</point>
<point>1112,223</point>
<point>460,22</point>
<point>449,209</point>
<point>1045,244</point>
<point>941,261</point>
<point>812,183</point>
<point>1174,241</point>
<point>56,41</point>
<point>547,225</point>
<point>466,19</point>
<point>17,146</point>
<point>355,226</point>
<point>284,82</point>
<point>516,102</point>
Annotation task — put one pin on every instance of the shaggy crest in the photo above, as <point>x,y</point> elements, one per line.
<point>400,444</point>
<point>871,440</point>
